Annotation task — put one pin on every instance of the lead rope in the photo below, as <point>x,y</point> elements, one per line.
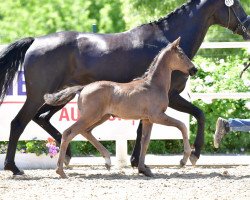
<point>229,13</point>
<point>245,68</point>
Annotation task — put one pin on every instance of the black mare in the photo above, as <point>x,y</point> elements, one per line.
<point>54,61</point>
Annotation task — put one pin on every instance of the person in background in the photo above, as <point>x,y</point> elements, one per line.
<point>224,126</point>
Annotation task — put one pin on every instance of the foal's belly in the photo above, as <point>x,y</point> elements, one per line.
<point>129,115</point>
<point>130,108</point>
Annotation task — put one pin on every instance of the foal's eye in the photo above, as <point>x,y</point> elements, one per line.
<point>181,54</point>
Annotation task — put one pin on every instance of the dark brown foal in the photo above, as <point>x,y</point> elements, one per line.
<point>145,98</point>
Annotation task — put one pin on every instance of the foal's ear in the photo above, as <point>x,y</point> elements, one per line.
<point>176,42</point>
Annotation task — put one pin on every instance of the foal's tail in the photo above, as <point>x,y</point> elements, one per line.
<point>62,97</point>
<point>10,59</point>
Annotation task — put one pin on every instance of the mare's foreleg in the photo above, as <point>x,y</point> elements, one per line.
<point>42,118</point>
<point>169,121</point>
<point>146,132</point>
<point>134,159</point>
<point>179,103</point>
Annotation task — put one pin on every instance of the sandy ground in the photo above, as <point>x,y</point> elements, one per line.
<point>97,183</point>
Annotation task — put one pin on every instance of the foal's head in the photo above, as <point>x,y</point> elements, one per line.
<point>177,60</point>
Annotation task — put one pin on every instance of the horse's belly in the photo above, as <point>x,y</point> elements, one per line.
<point>129,109</point>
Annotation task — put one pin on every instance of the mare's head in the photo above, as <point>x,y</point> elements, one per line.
<point>230,14</point>
<point>178,60</point>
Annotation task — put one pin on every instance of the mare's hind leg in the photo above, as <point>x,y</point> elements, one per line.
<point>18,124</point>
<point>146,132</point>
<point>42,118</point>
<point>179,103</point>
<point>169,121</point>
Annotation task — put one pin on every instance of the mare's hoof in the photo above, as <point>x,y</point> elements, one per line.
<point>67,160</point>
<point>21,172</point>
<point>13,168</point>
<point>134,162</point>
<point>193,159</point>
<point>182,163</point>
<point>146,171</point>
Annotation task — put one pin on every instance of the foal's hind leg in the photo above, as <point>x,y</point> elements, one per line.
<point>103,151</point>
<point>169,121</point>
<point>67,136</point>
<point>42,118</point>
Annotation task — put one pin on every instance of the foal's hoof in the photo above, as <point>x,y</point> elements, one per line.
<point>61,173</point>
<point>107,166</point>
<point>182,163</point>
<point>146,171</point>
<point>67,160</point>
<point>107,163</point>
<point>193,159</point>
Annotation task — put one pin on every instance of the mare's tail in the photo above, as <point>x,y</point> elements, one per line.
<point>10,59</point>
<point>62,97</point>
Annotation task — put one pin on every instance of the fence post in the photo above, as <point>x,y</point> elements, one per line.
<point>121,152</point>
<point>94,28</point>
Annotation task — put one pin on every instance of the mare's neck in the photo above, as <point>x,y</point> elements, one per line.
<point>160,74</point>
<point>191,22</point>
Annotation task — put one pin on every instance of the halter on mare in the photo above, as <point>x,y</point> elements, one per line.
<point>240,25</point>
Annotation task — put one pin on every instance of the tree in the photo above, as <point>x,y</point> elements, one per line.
<point>21,18</point>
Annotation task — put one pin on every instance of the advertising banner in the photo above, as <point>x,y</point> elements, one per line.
<point>111,130</point>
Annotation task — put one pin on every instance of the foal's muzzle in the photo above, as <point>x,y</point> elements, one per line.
<point>193,71</point>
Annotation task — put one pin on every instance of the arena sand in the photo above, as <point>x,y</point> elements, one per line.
<point>95,182</point>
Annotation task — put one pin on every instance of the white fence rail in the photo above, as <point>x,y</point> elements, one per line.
<point>121,131</point>
<point>225,45</point>
<point>211,96</point>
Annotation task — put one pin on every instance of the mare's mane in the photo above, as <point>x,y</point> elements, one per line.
<point>176,11</point>
<point>159,21</point>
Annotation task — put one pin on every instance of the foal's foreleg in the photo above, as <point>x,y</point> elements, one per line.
<point>169,121</point>
<point>179,103</point>
<point>146,132</point>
